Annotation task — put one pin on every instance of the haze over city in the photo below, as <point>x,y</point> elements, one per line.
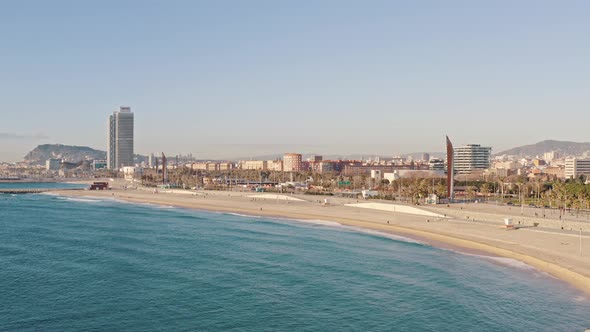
<point>236,79</point>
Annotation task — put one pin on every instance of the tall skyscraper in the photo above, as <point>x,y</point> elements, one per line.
<point>120,152</point>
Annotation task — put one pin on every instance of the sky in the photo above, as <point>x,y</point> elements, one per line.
<point>232,79</point>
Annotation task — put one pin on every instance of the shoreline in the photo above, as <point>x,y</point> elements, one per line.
<point>404,225</point>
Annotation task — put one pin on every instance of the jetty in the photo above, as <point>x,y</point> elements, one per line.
<point>33,190</point>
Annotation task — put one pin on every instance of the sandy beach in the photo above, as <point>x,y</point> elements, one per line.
<point>549,249</point>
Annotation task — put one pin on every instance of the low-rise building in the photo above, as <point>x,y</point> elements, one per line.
<point>558,171</point>
<point>355,169</point>
<point>254,164</point>
<point>436,164</point>
<point>99,164</point>
<point>129,172</point>
<point>225,166</point>
<point>377,175</point>
<point>274,165</point>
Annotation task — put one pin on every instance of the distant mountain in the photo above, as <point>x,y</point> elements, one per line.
<point>418,155</point>
<point>69,153</point>
<point>565,148</point>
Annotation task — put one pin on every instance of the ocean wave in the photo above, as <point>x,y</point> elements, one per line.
<point>241,215</point>
<point>505,261</point>
<point>80,199</point>
<point>316,222</point>
<point>145,204</point>
<point>384,235</point>
<point>334,224</point>
<point>302,221</point>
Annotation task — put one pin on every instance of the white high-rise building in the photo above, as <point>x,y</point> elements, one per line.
<point>120,152</point>
<point>550,156</point>
<point>151,161</point>
<point>472,157</point>
<point>574,167</point>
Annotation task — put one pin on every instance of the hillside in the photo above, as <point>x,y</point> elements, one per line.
<point>72,154</point>
<point>564,147</point>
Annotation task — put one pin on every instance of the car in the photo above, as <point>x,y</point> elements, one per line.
<point>509,203</point>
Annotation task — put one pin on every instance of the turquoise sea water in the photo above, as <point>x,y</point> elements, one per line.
<point>89,264</point>
<point>40,185</point>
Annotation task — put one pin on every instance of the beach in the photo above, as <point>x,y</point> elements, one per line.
<point>554,251</point>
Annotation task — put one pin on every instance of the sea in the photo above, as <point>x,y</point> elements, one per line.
<point>88,264</point>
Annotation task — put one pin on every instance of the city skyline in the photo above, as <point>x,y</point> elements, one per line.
<point>216,80</point>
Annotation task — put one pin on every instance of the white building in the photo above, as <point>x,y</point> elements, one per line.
<point>151,161</point>
<point>391,176</point>
<point>129,172</point>
<point>550,156</point>
<point>120,149</point>
<point>508,165</point>
<point>574,167</point>
<point>436,164</point>
<point>472,157</point>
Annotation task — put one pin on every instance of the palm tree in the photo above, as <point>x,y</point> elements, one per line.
<point>485,190</point>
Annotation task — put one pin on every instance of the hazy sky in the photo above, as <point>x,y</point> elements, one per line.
<point>234,78</point>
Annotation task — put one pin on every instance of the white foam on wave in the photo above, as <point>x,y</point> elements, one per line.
<point>241,215</point>
<point>384,235</point>
<point>150,205</point>
<point>334,224</point>
<point>316,222</point>
<point>80,199</point>
<point>505,261</point>
<point>302,221</point>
